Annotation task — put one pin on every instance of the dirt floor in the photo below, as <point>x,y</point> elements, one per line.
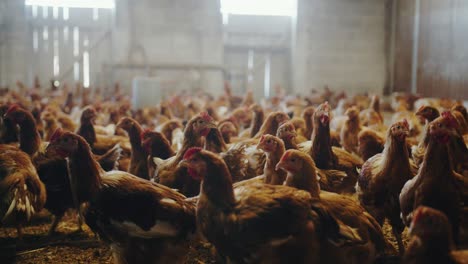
<point>69,245</point>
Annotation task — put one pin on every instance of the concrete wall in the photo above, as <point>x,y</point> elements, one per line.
<point>265,38</point>
<point>13,43</point>
<point>340,43</point>
<point>335,42</point>
<point>167,32</point>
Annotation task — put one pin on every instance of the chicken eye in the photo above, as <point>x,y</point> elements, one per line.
<point>398,127</point>
<point>269,141</point>
<point>293,160</point>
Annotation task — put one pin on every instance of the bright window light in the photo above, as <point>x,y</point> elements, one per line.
<point>45,12</point>
<point>56,61</point>
<point>95,14</point>
<point>86,69</point>
<point>56,65</point>
<point>45,33</point>
<point>34,11</point>
<point>65,13</point>
<point>65,34</point>
<point>76,41</point>
<point>259,7</point>
<point>73,3</point>
<point>76,71</point>
<point>55,12</point>
<point>35,40</point>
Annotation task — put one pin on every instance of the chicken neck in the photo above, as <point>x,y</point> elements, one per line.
<point>217,185</point>
<point>214,141</point>
<point>273,176</point>
<point>395,158</point>
<point>304,179</point>
<point>309,126</point>
<point>257,122</point>
<point>161,149</point>
<point>191,139</point>
<point>269,126</point>
<point>50,127</point>
<point>138,152</point>
<point>29,138</point>
<point>321,151</point>
<point>86,130</point>
<point>437,162</point>
<point>290,143</point>
<point>85,173</point>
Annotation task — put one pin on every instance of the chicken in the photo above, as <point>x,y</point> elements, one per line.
<point>307,115</point>
<point>50,124</point>
<point>138,160</point>
<point>461,114</point>
<point>156,145</point>
<point>36,113</point>
<point>29,138</point>
<point>431,239</point>
<point>372,115</point>
<point>143,222</point>
<point>382,177</point>
<point>271,124</point>
<point>168,127</point>
<point>22,193</point>
<point>427,114</point>
<point>287,133</point>
<point>100,144</point>
<point>327,157</point>
<point>234,157</point>
<point>168,173</point>
<point>299,126</point>
<point>301,174</point>
<point>8,130</point>
<point>52,172</point>
<point>228,131</point>
<point>414,124</point>
<point>274,149</point>
<point>350,130</point>
<point>255,223</point>
<point>257,120</point>
<point>370,143</point>
<point>436,184</point>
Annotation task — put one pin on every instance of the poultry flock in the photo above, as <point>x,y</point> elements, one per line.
<point>299,179</point>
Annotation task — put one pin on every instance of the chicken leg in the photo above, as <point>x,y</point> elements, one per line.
<point>54,225</point>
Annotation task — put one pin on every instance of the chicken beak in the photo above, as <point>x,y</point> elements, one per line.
<point>211,125</point>
<point>293,134</point>
<point>183,164</point>
<point>411,229</point>
<point>118,126</point>
<point>279,166</point>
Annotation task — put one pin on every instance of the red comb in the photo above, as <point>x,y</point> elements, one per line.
<point>12,108</point>
<point>286,155</point>
<point>191,151</point>
<point>451,121</point>
<point>405,123</point>
<point>57,133</point>
<point>205,116</point>
<point>262,138</point>
<point>144,133</point>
